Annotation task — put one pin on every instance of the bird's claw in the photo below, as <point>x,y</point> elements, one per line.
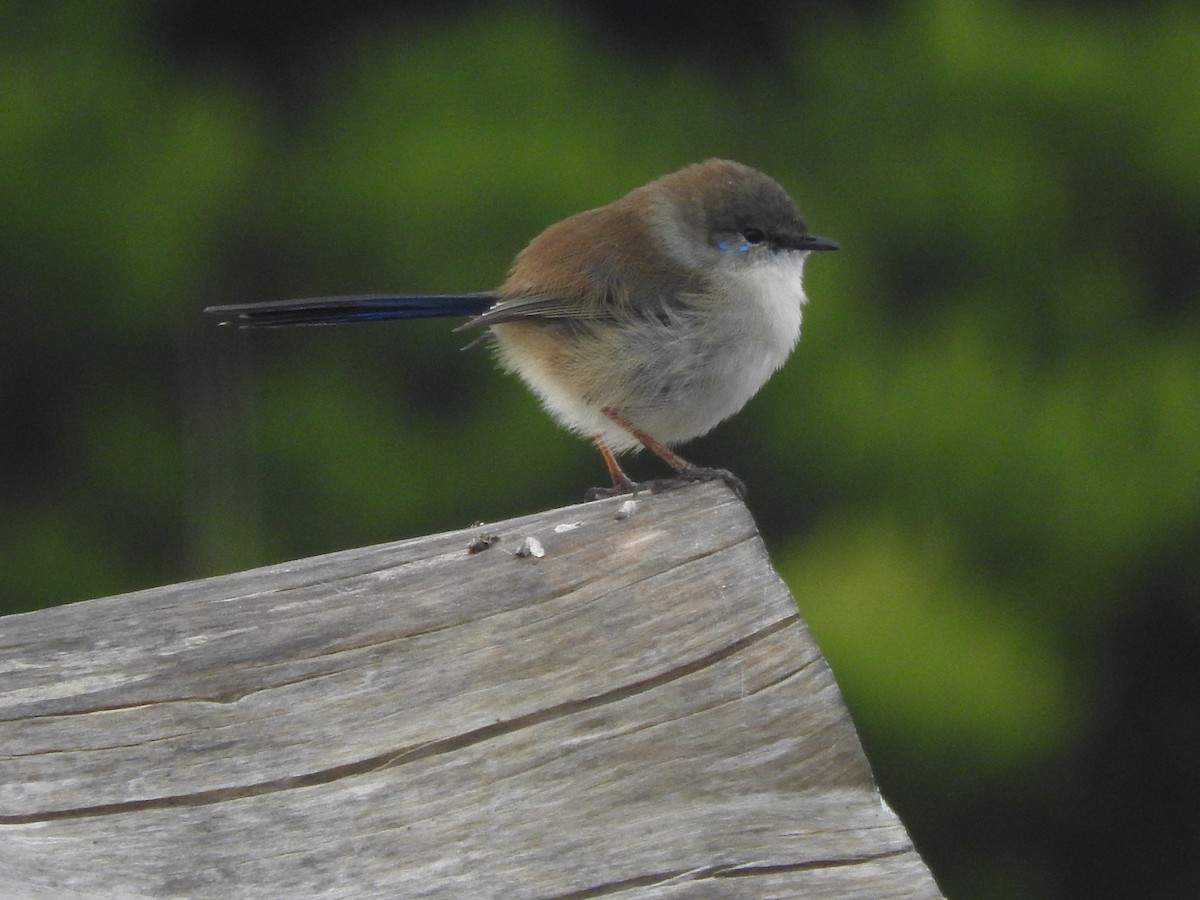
<point>657,485</point>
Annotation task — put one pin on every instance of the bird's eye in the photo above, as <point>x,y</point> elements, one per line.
<point>753,235</point>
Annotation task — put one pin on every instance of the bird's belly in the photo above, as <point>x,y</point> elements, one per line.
<point>704,379</point>
<point>674,384</point>
<point>675,379</point>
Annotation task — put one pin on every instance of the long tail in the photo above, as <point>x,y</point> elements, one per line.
<point>360,308</point>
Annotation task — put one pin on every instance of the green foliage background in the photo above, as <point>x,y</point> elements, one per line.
<point>980,474</point>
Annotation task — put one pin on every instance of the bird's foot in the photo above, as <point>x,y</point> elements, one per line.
<point>619,489</point>
<point>692,474</point>
<point>689,475</point>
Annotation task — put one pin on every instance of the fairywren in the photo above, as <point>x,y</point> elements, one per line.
<point>643,322</point>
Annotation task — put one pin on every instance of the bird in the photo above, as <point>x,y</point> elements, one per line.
<point>641,323</point>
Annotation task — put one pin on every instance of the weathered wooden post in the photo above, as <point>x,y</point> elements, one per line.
<point>639,711</point>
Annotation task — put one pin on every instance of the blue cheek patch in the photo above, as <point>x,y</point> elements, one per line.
<point>740,248</point>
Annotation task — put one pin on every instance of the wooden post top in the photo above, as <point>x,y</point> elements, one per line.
<point>630,705</point>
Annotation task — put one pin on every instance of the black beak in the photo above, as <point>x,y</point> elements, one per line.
<point>812,242</point>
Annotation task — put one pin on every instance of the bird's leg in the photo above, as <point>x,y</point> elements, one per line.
<point>686,471</point>
<point>621,483</point>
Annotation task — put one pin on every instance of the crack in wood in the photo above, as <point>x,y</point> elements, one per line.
<point>658,879</point>
<point>232,696</point>
<point>748,871</point>
<point>409,754</point>
<point>222,698</point>
<point>626,884</point>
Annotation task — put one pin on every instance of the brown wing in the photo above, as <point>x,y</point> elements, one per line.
<point>602,264</point>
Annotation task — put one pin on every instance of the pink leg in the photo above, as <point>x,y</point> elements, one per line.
<point>622,483</point>
<point>687,471</point>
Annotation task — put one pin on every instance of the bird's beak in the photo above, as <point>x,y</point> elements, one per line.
<point>812,242</point>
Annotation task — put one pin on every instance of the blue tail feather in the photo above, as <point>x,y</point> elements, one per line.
<point>358,308</point>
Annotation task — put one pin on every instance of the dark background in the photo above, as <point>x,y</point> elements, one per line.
<point>980,474</point>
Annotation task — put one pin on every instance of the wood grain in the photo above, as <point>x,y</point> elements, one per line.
<point>640,712</point>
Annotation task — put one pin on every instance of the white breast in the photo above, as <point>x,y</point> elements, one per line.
<point>730,348</point>
<point>674,380</point>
